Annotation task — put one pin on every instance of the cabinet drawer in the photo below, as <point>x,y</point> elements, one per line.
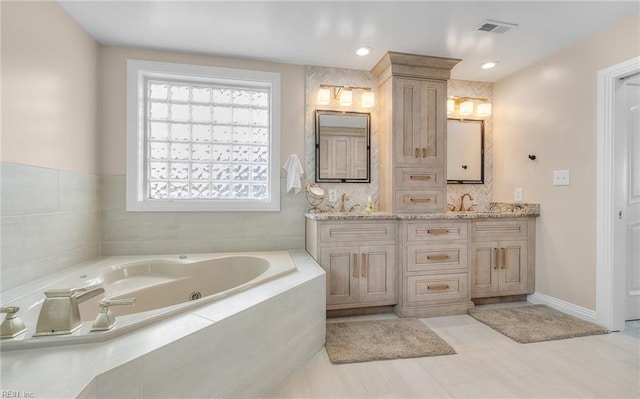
<point>493,229</point>
<point>436,231</point>
<point>418,178</point>
<point>436,257</point>
<point>444,288</point>
<point>360,232</point>
<point>417,201</point>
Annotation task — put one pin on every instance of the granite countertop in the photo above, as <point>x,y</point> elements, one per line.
<point>496,210</point>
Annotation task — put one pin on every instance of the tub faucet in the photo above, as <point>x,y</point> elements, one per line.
<point>60,314</point>
<point>462,202</point>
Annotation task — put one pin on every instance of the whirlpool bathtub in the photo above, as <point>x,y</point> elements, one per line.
<point>160,285</point>
<point>205,325</point>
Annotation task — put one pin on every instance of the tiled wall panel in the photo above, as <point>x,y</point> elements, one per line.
<point>50,220</point>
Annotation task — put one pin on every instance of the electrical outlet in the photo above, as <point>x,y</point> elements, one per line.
<point>333,195</point>
<point>561,177</point>
<point>517,194</point>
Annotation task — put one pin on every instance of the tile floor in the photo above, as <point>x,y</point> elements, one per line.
<point>487,365</point>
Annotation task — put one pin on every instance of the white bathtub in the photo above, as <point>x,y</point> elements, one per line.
<point>238,342</point>
<point>161,285</point>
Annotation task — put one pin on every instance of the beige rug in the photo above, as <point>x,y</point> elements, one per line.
<point>535,323</point>
<point>363,341</point>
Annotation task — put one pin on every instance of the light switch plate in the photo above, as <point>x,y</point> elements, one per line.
<point>517,194</point>
<point>561,177</point>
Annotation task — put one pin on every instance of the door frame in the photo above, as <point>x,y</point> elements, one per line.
<point>610,278</point>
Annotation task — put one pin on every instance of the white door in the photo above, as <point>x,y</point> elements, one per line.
<point>627,196</point>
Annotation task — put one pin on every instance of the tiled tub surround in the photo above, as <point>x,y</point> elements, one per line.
<point>139,233</point>
<point>50,221</point>
<point>240,346</point>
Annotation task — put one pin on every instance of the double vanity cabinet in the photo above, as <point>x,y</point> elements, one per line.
<point>423,264</point>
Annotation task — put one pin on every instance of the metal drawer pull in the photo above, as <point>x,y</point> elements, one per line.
<point>496,260</point>
<point>504,258</point>
<point>355,265</point>
<point>438,287</point>
<point>438,231</point>
<point>365,265</point>
<point>417,153</point>
<point>424,152</point>
<point>420,177</point>
<point>420,200</point>
<point>437,257</point>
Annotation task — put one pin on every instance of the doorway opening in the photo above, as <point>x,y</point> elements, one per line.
<point>610,271</point>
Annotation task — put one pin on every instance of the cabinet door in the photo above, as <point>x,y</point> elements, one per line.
<point>341,265</point>
<point>484,268</point>
<point>419,121</point>
<point>377,282</point>
<point>513,266</point>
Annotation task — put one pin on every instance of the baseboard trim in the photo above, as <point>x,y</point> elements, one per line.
<point>563,306</point>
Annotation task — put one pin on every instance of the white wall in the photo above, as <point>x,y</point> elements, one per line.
<point>549,110</point>
<point>49,88</point>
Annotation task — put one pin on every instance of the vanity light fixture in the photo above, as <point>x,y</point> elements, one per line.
<point>344,94</point>
<point>464,106</point>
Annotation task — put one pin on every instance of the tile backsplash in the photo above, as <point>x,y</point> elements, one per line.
<point>315,76</point>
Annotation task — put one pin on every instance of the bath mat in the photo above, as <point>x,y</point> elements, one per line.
<point>364,341</point>
<point>535,323</point>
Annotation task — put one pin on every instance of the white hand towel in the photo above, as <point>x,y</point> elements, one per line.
<point>294,173</point>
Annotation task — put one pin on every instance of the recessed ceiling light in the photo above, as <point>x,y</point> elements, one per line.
<point>489,65</point>
<point>362,51</point>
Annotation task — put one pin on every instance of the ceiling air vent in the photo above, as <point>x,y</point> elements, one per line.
<point>496,26</point>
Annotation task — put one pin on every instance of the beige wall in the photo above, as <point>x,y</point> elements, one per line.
<point>49,88</point>
<point>549,109</point>
<point>112,114</point>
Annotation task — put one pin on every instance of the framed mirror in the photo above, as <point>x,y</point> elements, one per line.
<point>343,147</point>
<point>465,151</point>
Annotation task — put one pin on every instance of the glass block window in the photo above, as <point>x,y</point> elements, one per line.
<point>205,142</point>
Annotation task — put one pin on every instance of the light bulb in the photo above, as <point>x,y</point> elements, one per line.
<point>466,108</point>
<point>367,99</point>
<point>324,96</point>
<point>484,109</point>
<point>346,97</point>
<point>451,105</point>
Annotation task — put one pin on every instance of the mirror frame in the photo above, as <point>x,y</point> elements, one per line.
<point>481,123</point>
<point>366,179</point>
